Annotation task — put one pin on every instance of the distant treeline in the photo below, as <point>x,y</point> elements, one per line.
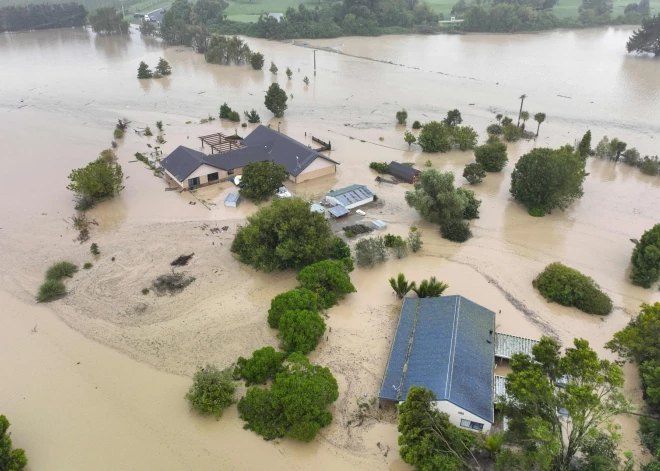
<point>42,16</point>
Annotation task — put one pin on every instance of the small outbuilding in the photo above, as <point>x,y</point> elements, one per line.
<point>338,211</point>
<point>350,197</point>
<point>231,201</point>
<point>446,345</point>
<point>403,172</point>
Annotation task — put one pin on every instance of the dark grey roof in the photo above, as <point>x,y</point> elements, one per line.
<point>260,145</point>
<point>183,161</point>
<point>402,172</point>
<point>447,345</point>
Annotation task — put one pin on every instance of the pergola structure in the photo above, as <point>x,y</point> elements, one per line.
<point>220,143</point>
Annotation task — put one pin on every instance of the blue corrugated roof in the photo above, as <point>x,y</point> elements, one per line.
<point>338,211</point>
<point>351,194</point>
<point>443,345</point>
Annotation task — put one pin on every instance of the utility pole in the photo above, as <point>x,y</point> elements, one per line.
<point>314,62</point>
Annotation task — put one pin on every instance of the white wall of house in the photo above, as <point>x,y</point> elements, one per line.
<point>203,172</point>
<point>319,168</point>
<point>456,414</point>
<point>173,178</point>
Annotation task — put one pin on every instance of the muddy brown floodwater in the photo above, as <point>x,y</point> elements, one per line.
<point>77,404</point>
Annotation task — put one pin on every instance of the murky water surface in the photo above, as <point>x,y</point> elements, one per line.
<point>61,93</point>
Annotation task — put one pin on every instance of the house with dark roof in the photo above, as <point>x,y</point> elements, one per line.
<point>403,172</point>
<point>190,168</point>
<point>350,197</point>
<point>445,344</point>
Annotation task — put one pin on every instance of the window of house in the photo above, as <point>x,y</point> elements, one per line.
<point>472,425</point>
<point>213,177</point>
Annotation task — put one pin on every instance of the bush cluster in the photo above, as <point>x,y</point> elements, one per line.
<point>227,113</point>
<point>212,390</point>
<point>380,167</point>
<point>456,230</point>
<point>569,287</point>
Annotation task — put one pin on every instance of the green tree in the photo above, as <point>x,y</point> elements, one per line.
<point>416,125</point>
<point>547,179</point>
<point>284,235</point>
<point>647,38</point>
<point>289,73</point>
<point>144,71</point>
<point>511,133</point>
<point>212,390</point>
<point>539,118</point>
<point>263,365</point>
<point>409,138</point>
<point>159,125</point>
<point>176,25</point>
<point>569,287</point>
<point>273,68</point>
<point>252,116</point>
<point>10,459</point>
<point>584,147</point>
<point>340,249</point>
<point>506,121</point>
<point>295,405</point>
<point>465,137</point>
<point>276,100</point>
<point>427,439</point>
<point>99,179</point>
<point>646,259</point>
<point>524,116</point>
<point>639,341</point>
<point>435,197</point>
<point>163,67</point>
<point>616,148</point>
<point>522,100</point>
<point>430,288</point>
<point>227,50</point>
<point>370,251</point>
<point>456,230</point>
<point>492,157</point>
<point>435,137</point>
<point>300,330</point>
<point>147,132</point>
<point>257,61</point>
<point>603,148</point>
<point>306,81</point>
<point>453,118</point>
<point>298,299</point>
<point>329,279</point>
<point>474,173</point>
<point>401,286</point>
<point>591,398</point>
<point>147,28</point>
<point>261,180</point>
<point>414,239</point>
<point>472,204</point>
<point>401,117</point>
<point>208,11</point>
<point>107,20</point>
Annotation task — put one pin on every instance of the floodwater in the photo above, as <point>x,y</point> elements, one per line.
<point>61,92</point>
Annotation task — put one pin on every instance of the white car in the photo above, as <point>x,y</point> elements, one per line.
<point>283,193</point>
<point>147,19</point>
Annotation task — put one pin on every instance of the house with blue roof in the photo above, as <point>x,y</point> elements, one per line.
<point>445,344</point>
<point>350,197</point>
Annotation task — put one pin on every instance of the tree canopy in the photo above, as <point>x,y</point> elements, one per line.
<point>296,404</point>
<point>263,365</point>
<point>328,279</point>
<point>11,459</point>
<point>536,406</point>
<point>645,259</point>
<point>435,197</point>
<point>41,16</point>
<point>107,20</point>
<point>212,390</point>
<point>286,234</point>
<point>492,156</point>
<point>427,439</point>
<point>297,299</point>
<point>474,173</point>
<point>435,137</point>
<point>276,100</point>
<point>208,11</point>
<point>547,179</point>
<point>301,330</point>
<point>261,179</point>
<point>647,38</point>
<point>99,179</point>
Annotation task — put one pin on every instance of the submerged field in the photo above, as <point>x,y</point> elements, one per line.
<point>65,385</point>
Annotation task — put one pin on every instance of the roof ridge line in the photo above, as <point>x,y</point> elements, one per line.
<point>452,350</point>
<point>411,339</point>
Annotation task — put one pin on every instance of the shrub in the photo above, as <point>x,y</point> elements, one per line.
<point>512,132</point>
<point>474,173</point>
<point>171,283</point>
<point>145,290</point>
<point>252,117</point>
<point>144,71</point>
<point>401,116</point>
<point>87,266</point>
<point>428,163</point>
<point>400,248</point>
<point>401,286</point>
<point>492,157</point>
<point>257,61</point>
<point>147,132</point>
<point>646,259</point>
<point>569,287</point>
<point>415,239</point>
<point>391,240</point>
<point>284,235</point>
<point>370,251</point>
<point>108,155</point>
<point>10,459</point>
<point>380,167</point>
<point>99,179</point>
<point>118,133</point>
<point>328,279</point>
<point>339,249</point>
<point>212,390</point>
<point>299,299</point>
<point>494,129</point>
<point>417,125</point>
<point>536,212</point>
<point>273,68</point>
<point>494,443</point>
<point>50,289</point>
<point>159,125</point>
<point>465,137</point>
<point>431,288</point>
<point>650,165</point>
<point>264,364</point>
<point>61,270</point>
<point>471,210</point>
<point>300,330</point>
<point>456,230</point>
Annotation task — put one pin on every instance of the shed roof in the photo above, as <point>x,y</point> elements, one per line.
<point>183,161</point>
<point>260,145</point>
<point>338,211</point>
<point>351,194</point>
<point>232,198</point>
<point>402,172</point>
<point>444,344</point>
